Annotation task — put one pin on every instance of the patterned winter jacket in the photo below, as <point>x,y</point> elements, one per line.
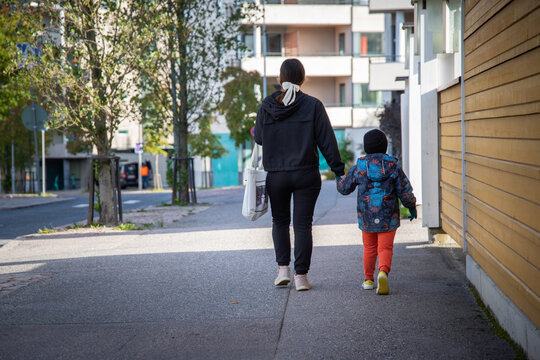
<point>380,182</point>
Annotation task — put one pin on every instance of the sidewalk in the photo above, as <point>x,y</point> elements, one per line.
<point>204,291</point>
<point>17,201</point>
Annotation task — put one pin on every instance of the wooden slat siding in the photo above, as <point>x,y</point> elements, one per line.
<point>470,4</point>
<point>521,67</point>
<point>452,229</point>
<point>522,210</point>
<point>482,12</point>
<point>524,270</point>
<point>511,37</point>
<point>451,143</point>
<point>513,11</point>
<point>525,46</point>
<point>532,172</point>
<point>522,239</point>
<point>514,110</point>
<point>513,184</point>
<point>519,92</point>
<point>516,150</point>
<point>516,127</point>
<point>515,289</point>
<point>450,160</point>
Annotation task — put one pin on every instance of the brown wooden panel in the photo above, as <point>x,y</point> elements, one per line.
<point>513,110</point>
<point>520,267</point>
<point>522,210</point>
<point>482,12</point>
<point>515,127</point>
<point>450,119</point>
<point>451,129</point>
<point>450,94</point>
<point>451,163</point>
<point>451,154</point>
<point>515,289</point>
<point>451,212</point>
<point>451,108</point>
<point>470,4</point>
<point>451,178</point>
<point>502,20</point>
<point>509,54</point>
<point>521,67</point>
<point>452,229</point>
<point>522,239</point>
<point>517,150</point>
<point>452,196</point>
<point>511,183</point>
<point>532,172</point>
<point>519,92</point>
<point>512,36</point>
<point>452,143</point>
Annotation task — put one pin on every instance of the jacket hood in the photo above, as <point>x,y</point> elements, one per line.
<point>378,167</point>
<point>278,111</point>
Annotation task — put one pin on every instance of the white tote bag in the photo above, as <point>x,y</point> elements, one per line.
<point>255,198</point>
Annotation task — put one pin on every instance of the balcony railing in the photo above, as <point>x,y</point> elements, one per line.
<point>312,2</point>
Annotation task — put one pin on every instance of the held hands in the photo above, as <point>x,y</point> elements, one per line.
<point>413,214</point>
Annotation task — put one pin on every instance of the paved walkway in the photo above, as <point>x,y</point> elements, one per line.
<point>204,291</point>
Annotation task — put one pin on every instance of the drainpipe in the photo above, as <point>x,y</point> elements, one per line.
<point>463,176</point>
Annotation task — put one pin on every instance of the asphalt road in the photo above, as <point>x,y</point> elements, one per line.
<point>17,222</point>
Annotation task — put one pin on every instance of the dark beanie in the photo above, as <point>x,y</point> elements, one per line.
<point>375,142</point>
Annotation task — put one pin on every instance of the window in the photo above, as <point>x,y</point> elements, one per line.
<point>342,94</point>
<point>342,44</point>
<point>365,44</point>
<point>362,97</point>
<point>249,43</point>
<point>273,44</point>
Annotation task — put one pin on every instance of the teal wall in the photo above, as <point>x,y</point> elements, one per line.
<point>226,168</point>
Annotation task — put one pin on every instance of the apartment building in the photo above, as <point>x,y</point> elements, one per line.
<point>336,40</point>
<point>470,118</point>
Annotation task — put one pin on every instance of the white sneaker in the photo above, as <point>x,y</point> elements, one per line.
<point>382,283</point>
<point>368,285</point>
<point>301,282</point>
<point>283,277</point>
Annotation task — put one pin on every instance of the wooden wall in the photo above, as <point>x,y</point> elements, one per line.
<point>502,159</point>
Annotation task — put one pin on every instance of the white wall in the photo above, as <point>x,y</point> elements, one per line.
<point>363,21</point>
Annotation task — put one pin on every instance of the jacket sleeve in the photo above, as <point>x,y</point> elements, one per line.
<point>404,190</point>
<point>259,126</point>
<point>347,185</point>
<point>326,140</point>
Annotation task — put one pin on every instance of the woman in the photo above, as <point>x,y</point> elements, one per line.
<point>291,126</point>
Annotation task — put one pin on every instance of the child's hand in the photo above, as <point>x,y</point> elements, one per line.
<point>412,214</point>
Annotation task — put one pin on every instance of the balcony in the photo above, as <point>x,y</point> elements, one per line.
<point>313,14</point>
<point>331,65</point>
<point>383,6</point>
<point>383,72</point>
<point>340,116</point>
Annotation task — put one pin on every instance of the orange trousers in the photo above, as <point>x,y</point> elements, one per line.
<point>381,244</point>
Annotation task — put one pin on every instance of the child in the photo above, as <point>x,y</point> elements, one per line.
<point>380,182</point>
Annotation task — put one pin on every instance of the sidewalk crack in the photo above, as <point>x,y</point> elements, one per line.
<point>282,320</point>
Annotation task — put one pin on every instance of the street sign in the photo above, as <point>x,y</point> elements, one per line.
<point>28,117</point>
<point>139,148</point>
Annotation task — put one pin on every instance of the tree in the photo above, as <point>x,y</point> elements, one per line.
<point>19,24</point>
<point>196,36</point>
<point>390,118</point>
<point>240,102</point>
<point>89,77</point>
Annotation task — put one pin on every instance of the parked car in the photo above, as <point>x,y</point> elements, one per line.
<point>129,173</point>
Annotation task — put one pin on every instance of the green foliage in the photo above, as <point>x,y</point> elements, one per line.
<point>347,156</point>
<point>127,226</point>
<point>390,123</point>
<point>46,230</point>
<point>205,143</point>
<point>240,103</point>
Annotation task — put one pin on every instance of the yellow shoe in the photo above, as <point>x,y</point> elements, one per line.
<point>382,283</point>
<point>368,285</point>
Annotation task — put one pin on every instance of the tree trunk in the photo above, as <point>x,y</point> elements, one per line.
<point>106,201</point>
<point>181,132</point>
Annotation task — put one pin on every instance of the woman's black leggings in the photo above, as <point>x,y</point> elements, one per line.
<point>304,186</point>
